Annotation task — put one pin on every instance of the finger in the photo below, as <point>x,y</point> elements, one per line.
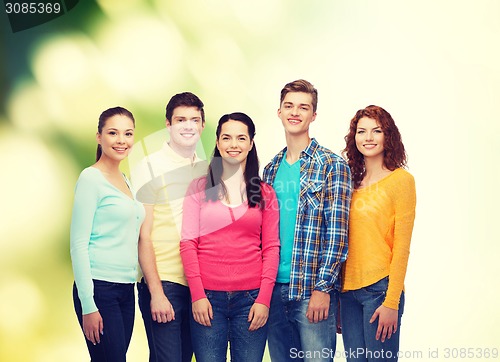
<point>389,332</point>
<point>384,333</point>
<point>210,312</point>
<point>379,331</point>
<point>250,315</point>
<point>374,317</point>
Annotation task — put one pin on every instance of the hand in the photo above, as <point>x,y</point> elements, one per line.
<point>258,316</point>
<point>318,307</point>
<point>202,312</point>
<point>387,322</point>
<point>161,309</point>
<point>93,327</point>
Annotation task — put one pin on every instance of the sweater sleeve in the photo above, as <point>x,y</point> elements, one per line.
<point>84,207</point>
<point>270,245</point>
<point>190,234</point>
<point>404,195</point>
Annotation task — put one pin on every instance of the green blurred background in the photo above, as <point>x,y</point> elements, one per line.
<point>434,65</point>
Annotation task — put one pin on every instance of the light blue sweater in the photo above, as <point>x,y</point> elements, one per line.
<point>104,235</point>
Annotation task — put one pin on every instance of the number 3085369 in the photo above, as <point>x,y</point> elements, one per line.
<point>33,8</point>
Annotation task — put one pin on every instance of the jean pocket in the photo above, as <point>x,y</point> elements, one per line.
<point>378,287</point>
<point>252,294</point>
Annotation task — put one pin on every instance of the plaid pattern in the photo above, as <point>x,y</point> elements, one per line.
<point>321,226</point>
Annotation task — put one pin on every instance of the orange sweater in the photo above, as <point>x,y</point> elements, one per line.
<point>380,226</point>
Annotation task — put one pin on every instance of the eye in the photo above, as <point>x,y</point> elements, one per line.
<point>129,134</point>
<point>360,131</point>
<point>112,133</point>
<point>303,108</point>
<point>378,131</point>
<point>242,138</point>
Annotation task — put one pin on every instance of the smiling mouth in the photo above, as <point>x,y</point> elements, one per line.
<point>120,149</point>
<point>233,153</point>
<point>294,121</point>
<point>370,145</point>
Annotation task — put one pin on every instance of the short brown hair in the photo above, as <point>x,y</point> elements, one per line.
<point>301,85</point>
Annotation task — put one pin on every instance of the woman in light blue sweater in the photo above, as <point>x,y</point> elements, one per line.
<point>104,233</point>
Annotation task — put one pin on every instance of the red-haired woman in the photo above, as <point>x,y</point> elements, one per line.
<point>380,227</point>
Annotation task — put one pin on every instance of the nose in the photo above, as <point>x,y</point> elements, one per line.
<point>189,124</point>
<point>233,143</point>
<point>369,136</point>
<point>121,138</point>
<point>295,111</point>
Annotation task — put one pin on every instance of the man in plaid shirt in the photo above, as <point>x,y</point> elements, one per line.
<point>313,186</point>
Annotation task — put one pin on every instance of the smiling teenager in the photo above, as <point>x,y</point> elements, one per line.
<point>380,228</point>
<point>104,235</point>
<point>230,248</point>
<point>313,186</point>
<point>162,179</point>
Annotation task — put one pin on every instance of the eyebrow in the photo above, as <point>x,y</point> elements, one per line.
<point>116,129</point>
<point>239,135</point>
<point>365,128</point>
<point>300,104</point>
<point>183,117</point>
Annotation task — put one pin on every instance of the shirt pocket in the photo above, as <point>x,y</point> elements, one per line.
<point>314,194</point>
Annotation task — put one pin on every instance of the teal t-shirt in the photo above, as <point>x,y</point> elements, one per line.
<point>287,187</point>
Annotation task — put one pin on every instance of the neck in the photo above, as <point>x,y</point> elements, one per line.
<point>233,172</point>
<point>186,152</point>
<point>108,165</point>
<point>295,144</point>
<point>374,165</point>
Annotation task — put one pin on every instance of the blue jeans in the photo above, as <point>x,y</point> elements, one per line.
<point>356,309</point>
<point>169,341</point>
<point>116,304</point>
<point>292,337</point>
<point>230,323</point>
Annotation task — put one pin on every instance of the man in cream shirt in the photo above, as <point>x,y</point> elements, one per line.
<point>162,179</point>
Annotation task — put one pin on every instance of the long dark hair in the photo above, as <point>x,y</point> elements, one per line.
<point>107,114</point>
<point>394,150</point>
<point>215,188</point>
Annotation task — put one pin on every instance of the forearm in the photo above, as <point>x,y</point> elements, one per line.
<point>147,262</point>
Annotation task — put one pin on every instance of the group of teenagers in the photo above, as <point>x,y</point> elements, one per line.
<point>317,246</point>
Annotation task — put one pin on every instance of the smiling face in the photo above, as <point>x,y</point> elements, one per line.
<point>117,137</point>
<point>369,138</point>
<point>185,128</point>
<point>234,143</point>
<point>296,112</point>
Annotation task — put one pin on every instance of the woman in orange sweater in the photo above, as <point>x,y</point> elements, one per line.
<point>380,227</point>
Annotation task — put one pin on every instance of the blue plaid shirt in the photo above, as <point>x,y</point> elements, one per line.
<point>321,225</point>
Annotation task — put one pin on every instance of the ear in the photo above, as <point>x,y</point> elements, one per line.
<point>167,124</point>
<point>313,117</point>
<point>98,138</point>
<point>279,112</point>
<point>251,145</point>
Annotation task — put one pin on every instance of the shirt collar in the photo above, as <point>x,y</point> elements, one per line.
<point>174,156</point>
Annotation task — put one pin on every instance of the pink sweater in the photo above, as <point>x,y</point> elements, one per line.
<point>229,248</point>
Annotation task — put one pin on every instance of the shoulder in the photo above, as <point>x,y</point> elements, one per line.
<point>403,176</point>
<point>267,190</point>
<point>198,184</point>
<point>276,159</point>
<point>89,174</point>
<point>329,159</point>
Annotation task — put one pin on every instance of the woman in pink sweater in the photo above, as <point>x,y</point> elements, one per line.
<point>380,227</point>
<point>230,248</point>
